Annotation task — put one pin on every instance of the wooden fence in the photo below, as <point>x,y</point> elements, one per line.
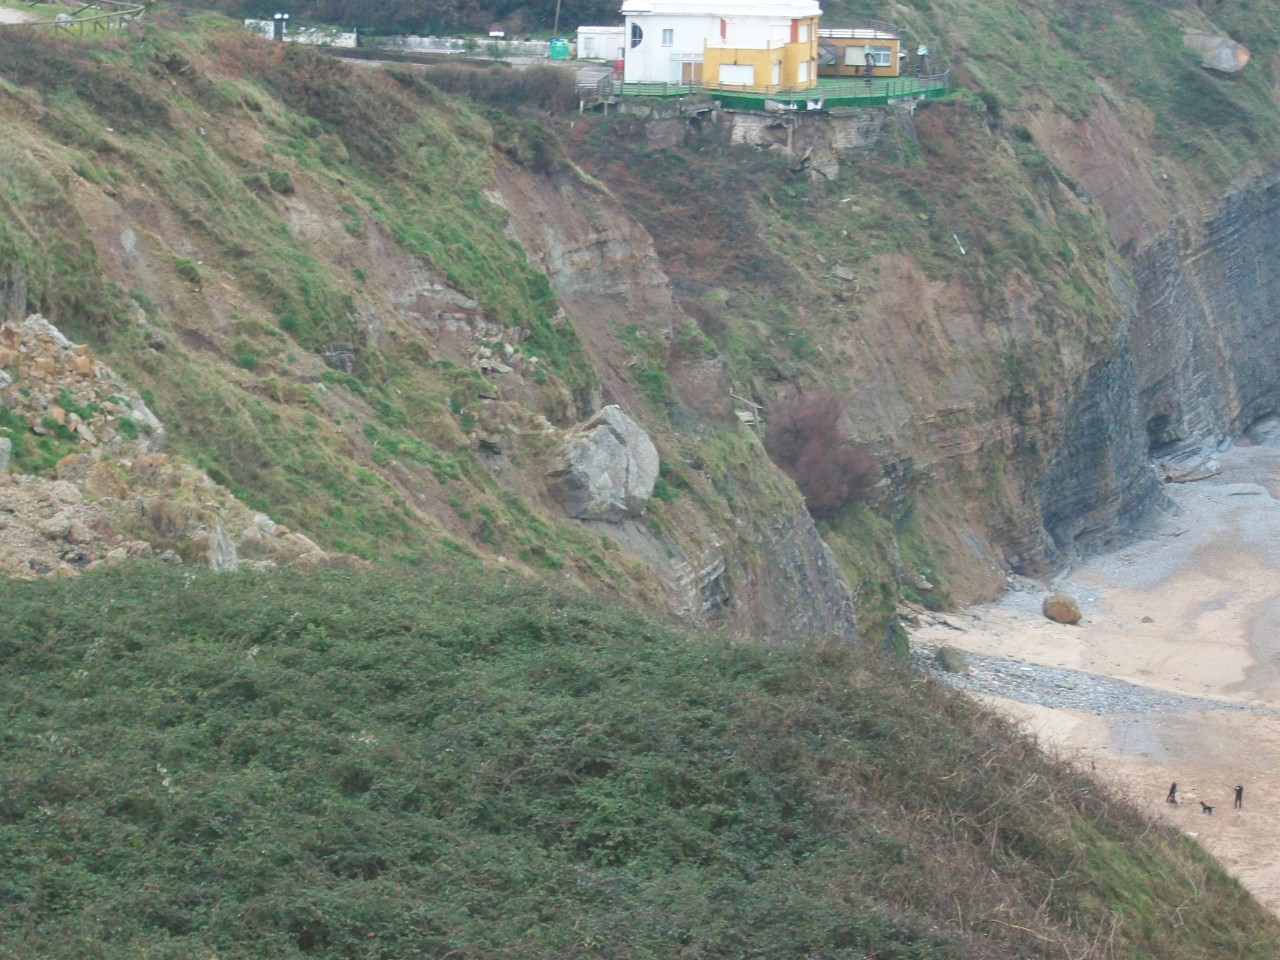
<point>99,17</point>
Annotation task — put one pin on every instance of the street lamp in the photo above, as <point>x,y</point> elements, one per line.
<point>281,21</point>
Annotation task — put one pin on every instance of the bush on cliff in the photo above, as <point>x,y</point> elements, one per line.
<point>804,439</point>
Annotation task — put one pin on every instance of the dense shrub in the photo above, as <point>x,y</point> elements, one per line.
<point>543,88</point>
<point>804,439</point>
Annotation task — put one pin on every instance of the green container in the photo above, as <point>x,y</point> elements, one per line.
<point>559,49</point>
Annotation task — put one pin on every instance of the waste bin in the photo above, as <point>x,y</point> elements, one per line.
<point>559,49</point>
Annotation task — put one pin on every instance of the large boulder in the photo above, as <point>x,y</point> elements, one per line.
<point>1217,53</point>
<point>1061,608</point>
<point>607,469</point>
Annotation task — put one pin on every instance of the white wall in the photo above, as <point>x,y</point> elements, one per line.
<point>320,37</point>
<point>651,62</point>
<point>600,43</point>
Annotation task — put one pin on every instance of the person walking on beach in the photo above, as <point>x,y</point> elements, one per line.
<point>1173,793</point>
<point>1239,796</point>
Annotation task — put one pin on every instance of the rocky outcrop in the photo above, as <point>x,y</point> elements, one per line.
<point>815,144</point>
<point>801,590</point>
<point>106,511</point>
<point>1205,346</point>
<point>607,469</point>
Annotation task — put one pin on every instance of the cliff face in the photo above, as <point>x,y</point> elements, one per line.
<point>1025,294</point>
<point>1194,365</point>
<point>760,566</point>
<point>1206,346</point>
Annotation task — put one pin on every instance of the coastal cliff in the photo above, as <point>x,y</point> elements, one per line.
<point>439,296</point>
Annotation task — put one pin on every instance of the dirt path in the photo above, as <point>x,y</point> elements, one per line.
<point>1192,611</point>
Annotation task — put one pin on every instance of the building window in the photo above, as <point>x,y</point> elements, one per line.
<point>668,36</point>
<point>637,35</point>
<point>737,74</point>
<point>857,56</point>
<point>804,71</point>
<point>803,33</point>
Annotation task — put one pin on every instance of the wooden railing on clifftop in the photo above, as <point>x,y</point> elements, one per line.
<point>96,17</point>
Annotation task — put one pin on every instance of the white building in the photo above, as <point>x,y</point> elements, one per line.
<point>600,43</point>
<point>318,36</point>
<point>760,46</point>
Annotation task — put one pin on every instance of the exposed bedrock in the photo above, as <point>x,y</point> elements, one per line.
<point>1205,344</point>
<point>1196,362</point>
<point>1100,481</point>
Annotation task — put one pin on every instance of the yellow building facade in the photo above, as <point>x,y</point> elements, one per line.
<point>789,65</point>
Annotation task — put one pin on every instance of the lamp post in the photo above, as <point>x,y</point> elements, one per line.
<point>281,21</point>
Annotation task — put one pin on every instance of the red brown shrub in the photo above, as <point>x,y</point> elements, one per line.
<point>804,439</point>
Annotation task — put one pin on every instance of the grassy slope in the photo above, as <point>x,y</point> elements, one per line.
<point>349,765</point>
<point>337,457</point>
<point>267,188</point>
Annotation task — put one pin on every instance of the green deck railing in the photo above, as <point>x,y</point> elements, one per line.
<point>829,92</point>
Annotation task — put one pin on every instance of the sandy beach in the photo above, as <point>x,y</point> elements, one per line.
<point>1190,617</point>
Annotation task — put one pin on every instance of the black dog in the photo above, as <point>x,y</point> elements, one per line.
<point>1205,808</point>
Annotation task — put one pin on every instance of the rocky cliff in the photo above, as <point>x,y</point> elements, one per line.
<point>1025,295</point>
<point>1206,347</point>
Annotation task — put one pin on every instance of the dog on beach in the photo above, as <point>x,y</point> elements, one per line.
<point>1205,808</point>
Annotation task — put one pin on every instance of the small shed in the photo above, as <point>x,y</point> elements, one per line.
<point>601,43</point>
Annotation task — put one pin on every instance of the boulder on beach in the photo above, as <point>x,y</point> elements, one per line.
<point>951,659</point>
<point>1061,608</point>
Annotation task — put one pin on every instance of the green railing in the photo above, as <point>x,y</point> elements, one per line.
<point>829,92</point>
<point>96,17</point>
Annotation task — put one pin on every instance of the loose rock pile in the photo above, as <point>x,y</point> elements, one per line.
<point>116,499</point>
<point>51,381</point>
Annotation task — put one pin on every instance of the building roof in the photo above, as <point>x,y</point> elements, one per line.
<point>725,8</point>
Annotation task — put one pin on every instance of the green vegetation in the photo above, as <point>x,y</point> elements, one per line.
<point>339,764</point>
<point>31,452</point>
